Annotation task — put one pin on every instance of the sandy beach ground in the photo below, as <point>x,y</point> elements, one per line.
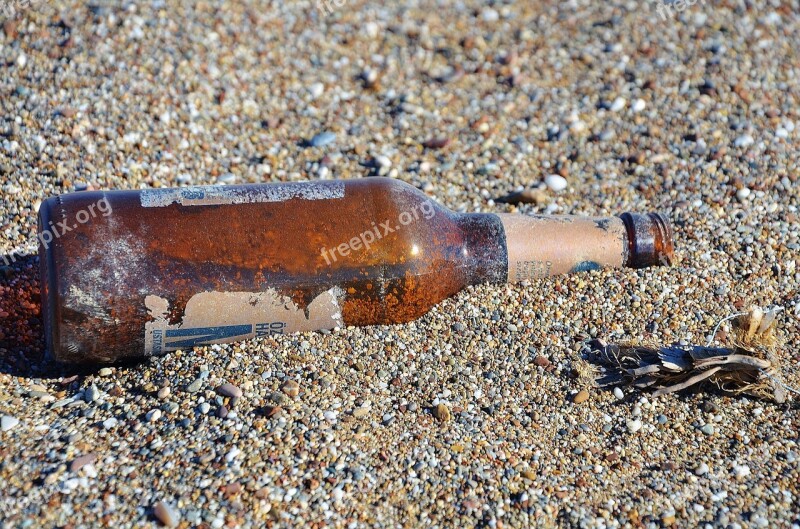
<point>466,417</point>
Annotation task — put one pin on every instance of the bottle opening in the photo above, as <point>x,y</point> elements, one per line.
<point>649,240</point>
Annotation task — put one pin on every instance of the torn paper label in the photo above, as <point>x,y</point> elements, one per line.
<point>222,317</point>
<point>216,195</point>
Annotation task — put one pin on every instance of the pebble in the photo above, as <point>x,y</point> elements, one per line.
<point>204,408</point>
<point>701,469</point>
<point>528,196</point>
<point>322,139</point>
<point>80,462</point>
<point>91,393</point>
<point>291,388</point>
<point>442,412</point>
<point>232,454</point>
<point>634,425</point>
<point>742,193</point>
<point>360,412</point>
<point>580,397</point>
<point>195,386</point>
<point>741,471</point>
<point>707,429</point>
<point>542,361</point>
<point>316,90</point>
<point>165,513</point>
<point>163,393</point>
<point>229,390</point>
<point>743,141</point>
<point>619,394</point>
<point>105,372</point>
<point>555,182</point>
<point>8,422</point>
<point>110,423</point>
<point>618,104</point>
<point>153,415</point>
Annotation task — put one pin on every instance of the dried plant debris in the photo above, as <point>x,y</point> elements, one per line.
<point>748,365</point>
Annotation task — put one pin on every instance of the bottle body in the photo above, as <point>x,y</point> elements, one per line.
<point>167,269</point>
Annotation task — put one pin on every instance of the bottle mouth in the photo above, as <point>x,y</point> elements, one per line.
<point>649,240</point>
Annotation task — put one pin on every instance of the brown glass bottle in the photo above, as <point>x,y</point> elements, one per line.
<point>127,274</point>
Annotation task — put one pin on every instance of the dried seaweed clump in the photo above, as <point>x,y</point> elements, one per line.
<point>748,365</point>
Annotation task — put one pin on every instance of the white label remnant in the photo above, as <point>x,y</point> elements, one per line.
<point>216,195</point>
<point>221,317</point>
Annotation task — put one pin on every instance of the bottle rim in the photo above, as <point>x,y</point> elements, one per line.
<point>650,240</point>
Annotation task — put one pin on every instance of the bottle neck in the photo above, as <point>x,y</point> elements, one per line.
<point>543,246</point>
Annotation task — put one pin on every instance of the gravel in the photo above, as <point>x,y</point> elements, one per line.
<point>465,417</point>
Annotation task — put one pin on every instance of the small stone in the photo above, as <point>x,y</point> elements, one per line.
<point>436,143</point>
<point>91,393</point>
<point>232,454</point>
<point>270,411</point>
<point>165,513</point>
<point>743,193</point>
<point>743,141</point>
<point>741,471</point>
<point>195,386</point>
<point>555,182</point>
<point>110,423</point>
<point>619,394</point>
<point>316,90</point>
<point>322,139</point>
<point>490,15</point>
<point>360,412</point>
<point>618,104</point>
<point>222,412</point>
<point>80,462</point>
<point>105,372</point>
<point>204,408</point>
<point>7,422</point>
<point>442,412</point>
<point>580,397</point>
<point>638,105</point>
<point>701,470</point>
<point>153,415</point>
<point>383,164</point>
<point>164,392</point>
<point>707,429</point>
<point>291,388</point>
<point>634,425</point>
<point>541,361</point>
<point>229,390</point>
<point>528,196</point>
